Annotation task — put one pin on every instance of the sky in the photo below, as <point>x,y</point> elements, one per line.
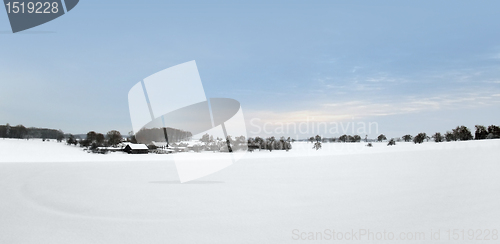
<point>426,66</point>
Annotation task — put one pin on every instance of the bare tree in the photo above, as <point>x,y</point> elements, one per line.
<point>407,138</point>
<point>317,145</point>
<point>437,137</point>
<point>419,138</point>
<point>114,137</point>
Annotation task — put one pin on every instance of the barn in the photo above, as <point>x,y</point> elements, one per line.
<point>136,149</point>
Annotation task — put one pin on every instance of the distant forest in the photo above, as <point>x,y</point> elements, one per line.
<point>21,132</point>
<point>147,136</point>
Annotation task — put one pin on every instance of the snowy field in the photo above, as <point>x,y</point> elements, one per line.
<point>54,193</point>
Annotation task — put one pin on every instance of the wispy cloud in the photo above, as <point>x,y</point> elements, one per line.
<point>355,68</point>
<point>359,109</point>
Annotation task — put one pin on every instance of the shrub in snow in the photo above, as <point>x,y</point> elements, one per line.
<point>343,138</point>
<point>392,142</point>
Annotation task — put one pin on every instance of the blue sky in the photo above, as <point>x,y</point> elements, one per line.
<point>425,66</point>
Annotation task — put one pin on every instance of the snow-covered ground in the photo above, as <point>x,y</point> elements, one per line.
<point>54,193</point>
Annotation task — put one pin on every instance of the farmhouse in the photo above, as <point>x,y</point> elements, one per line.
<point>136,149</point>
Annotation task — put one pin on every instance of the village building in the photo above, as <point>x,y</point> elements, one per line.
<point>136,149</point>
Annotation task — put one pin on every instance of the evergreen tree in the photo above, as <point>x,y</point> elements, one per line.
<point>71,140</point>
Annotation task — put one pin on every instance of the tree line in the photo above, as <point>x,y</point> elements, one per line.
<point>460,133</point>
<point>209,143</point>
<point>94,140</point>
<point>147,136</point>
<point>21,132</point>
<point>270,143</point>
<point>342,138</point>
